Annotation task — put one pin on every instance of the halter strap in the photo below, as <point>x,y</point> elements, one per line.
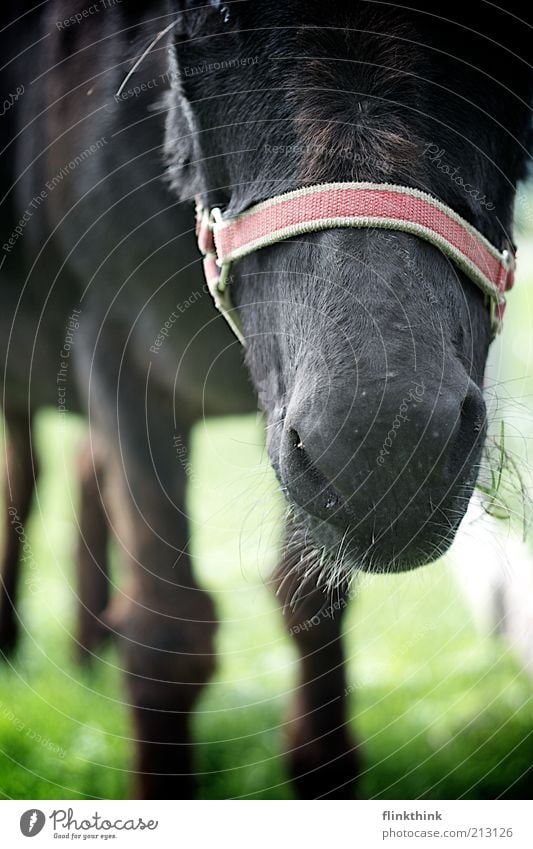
<point>331,205</point>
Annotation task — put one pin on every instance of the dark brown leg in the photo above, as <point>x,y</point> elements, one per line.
<point>20,476</point>
<point>92,565</point>
<point>323,756</point>
<point>164,622</point>
<point>166,627</point>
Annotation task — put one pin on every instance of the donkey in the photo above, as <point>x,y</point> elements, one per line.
<point>365,337</point>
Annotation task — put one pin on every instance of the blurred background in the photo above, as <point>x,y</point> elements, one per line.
<point>442,706</point>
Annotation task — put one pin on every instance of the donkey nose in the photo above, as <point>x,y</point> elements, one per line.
<point>468,431</point>
<point>301,474</point>
<point>416,445</point>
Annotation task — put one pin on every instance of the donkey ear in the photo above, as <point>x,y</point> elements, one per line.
<point>155,7</point>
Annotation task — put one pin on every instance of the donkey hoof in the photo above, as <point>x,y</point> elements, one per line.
<point>322,769</point>
<point>8,638</point>
<point>90,642</point>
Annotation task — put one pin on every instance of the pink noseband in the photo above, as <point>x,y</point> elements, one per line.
<point>331,205</point>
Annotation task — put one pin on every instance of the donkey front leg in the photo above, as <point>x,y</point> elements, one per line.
<point>20,476</point>
<point>167,634</point>
<point>323,756</point>
<point>164,622</point>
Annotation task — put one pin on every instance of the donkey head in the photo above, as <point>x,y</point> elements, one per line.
<point>367,347</point>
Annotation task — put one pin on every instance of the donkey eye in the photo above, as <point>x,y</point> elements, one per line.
<point>222,10</point>
<point>224,14</point>
<point>205,18</point>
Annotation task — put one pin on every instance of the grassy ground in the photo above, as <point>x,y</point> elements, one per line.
<point>441,711</point>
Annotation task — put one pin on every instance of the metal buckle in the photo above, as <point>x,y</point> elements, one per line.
<point>223,280</point>
<point>220,290</point>
<point>508,260</point>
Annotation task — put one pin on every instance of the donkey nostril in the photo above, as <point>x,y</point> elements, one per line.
<point>302,478</point>
<point>473,413</point>
<point>472,416</point>
<point>470,427</point>
<point>296,441</point>
<point>299,460</point>
<point>297,455</point>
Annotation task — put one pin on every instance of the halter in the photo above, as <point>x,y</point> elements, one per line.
<point>223,241</point>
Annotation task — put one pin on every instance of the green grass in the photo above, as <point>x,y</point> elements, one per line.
<point>441,712</point>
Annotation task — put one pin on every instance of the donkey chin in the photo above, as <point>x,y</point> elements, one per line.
<point>391,517</point>
<point>330,553</point>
